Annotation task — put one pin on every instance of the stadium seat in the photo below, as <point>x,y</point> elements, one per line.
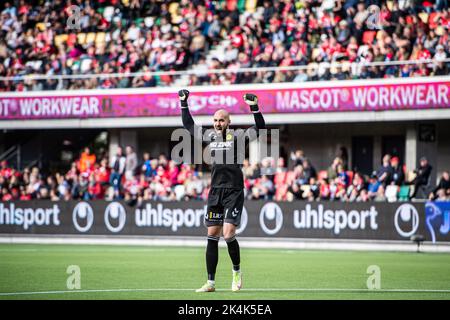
<point>100,38</point>
<point>241,5</point>
<point>251,6</point>
<point>368,37</point>
<point>381,34</point>
<point>403,194</point>
<point>424,17</point>
<point>41,26</point>
<point>315,53</point>
<point>173,8</point>
<point>81,38</point>
<point>390,4</point>
<point>440,31</point>
<point>90,38</point>
<point>60,39</point>
<point>231,5</point>
<point>391,193</point>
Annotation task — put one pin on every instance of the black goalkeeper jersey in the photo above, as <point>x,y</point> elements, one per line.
<point>226,151</point>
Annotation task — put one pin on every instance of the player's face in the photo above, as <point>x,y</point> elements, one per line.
<point>221,121</point>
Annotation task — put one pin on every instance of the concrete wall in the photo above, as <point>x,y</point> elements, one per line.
<point>321,142</point>
<point>443,148</point>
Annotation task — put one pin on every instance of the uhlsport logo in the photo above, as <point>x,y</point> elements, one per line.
<point>273,214</point>
<point>406,220</point>
<point>28,217</point>
<point>158,215</point>
<point>320,217</point>
<point>244,221</point>
<point>437,218</point>
<point>83,217</point>
<point>115,217</point>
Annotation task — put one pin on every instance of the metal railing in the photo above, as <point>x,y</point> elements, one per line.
<point>14,151</point>
<point>314,65</point>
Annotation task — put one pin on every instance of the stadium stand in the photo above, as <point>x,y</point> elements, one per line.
<point>126,42</point>
<point>160,178</point>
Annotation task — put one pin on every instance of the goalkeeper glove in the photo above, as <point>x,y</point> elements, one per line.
<point>183,95</point>
<point>252,101</point>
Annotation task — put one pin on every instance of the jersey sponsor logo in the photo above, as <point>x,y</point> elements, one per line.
<point>335,220</point>
<point>221,145</point>
<point>215,215</point>
<point>28,217</point>
<point>83,217</point>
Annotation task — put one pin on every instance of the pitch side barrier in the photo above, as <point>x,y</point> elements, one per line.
<point>265,219</point>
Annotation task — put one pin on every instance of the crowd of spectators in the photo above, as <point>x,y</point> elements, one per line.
<point>161,179</point>
<point>335,39</point>
<point>127,36</point>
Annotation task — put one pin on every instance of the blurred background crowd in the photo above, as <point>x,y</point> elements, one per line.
<point>114,39</point>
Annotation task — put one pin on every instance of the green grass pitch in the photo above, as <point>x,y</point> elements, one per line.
<point>145,272</point>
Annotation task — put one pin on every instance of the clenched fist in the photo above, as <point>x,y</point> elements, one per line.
<point>252,101</point>
<point>183,95</point>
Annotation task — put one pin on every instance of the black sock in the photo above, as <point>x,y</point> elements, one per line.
<point>212,256</point>
<point>233,250</point>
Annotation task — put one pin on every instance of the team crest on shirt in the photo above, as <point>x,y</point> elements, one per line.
<point>229,137</point>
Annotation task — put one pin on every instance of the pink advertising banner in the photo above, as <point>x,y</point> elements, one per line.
<point>284,99</point>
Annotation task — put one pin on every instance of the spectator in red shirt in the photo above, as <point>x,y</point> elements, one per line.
<point>5,171</point>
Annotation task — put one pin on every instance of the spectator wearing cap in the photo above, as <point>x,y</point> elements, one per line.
<point>440,54</point>
<point>374,185</point>
<point>398,176</point>
<point>423,173</point>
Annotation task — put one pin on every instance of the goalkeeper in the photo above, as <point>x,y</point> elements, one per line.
<point>226,197</point>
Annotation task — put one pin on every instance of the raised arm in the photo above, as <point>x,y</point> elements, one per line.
<point>186,117</point>
<point>252,101</point>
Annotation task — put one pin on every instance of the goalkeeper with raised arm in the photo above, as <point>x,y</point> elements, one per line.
<point>226,197</point>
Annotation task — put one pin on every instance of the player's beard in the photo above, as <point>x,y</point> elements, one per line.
<point>222,131</point>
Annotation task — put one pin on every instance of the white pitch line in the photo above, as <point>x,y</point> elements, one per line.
<point>250,289</point>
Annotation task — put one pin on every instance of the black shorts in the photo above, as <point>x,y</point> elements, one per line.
<point>224,205</point>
